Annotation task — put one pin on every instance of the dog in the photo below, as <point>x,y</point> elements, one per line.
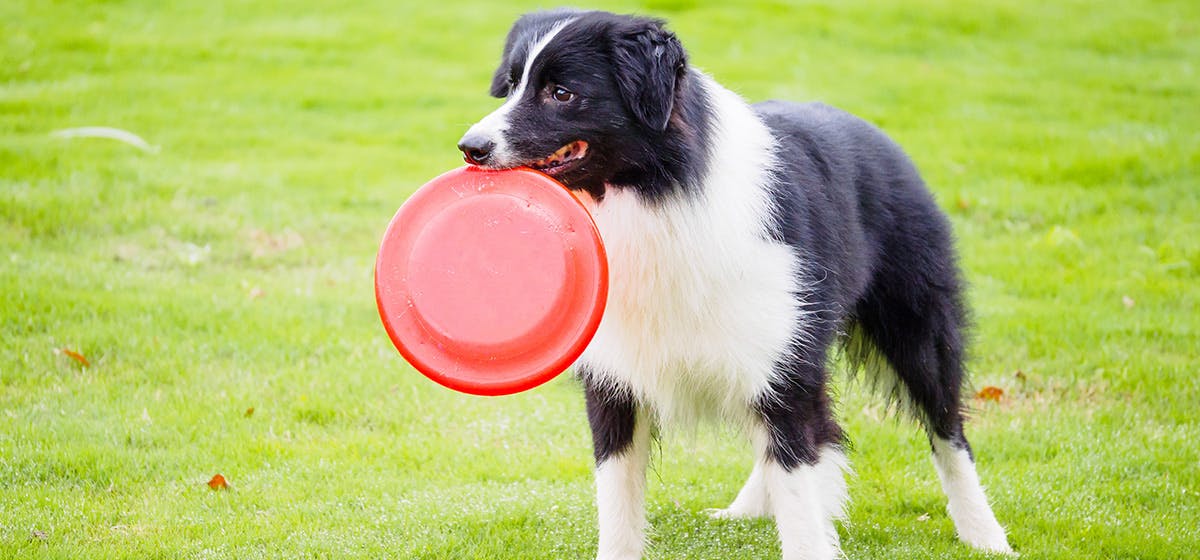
<point>747,244</point>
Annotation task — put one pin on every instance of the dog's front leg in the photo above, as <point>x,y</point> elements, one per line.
<point>621,439</point>
<point>620,492</point>
<point>803,463</point>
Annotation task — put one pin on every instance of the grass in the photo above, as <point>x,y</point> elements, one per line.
<point>232,270</point>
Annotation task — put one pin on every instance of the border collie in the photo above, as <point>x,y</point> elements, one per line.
<point>745,243</point>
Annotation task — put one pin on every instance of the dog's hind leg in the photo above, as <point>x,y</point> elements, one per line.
<point>917,325</point>
<point>968,505</point>
<point>621,440</point>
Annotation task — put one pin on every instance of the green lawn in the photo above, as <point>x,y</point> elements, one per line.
<point>232,270</point>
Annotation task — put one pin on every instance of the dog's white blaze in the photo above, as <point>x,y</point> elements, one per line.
<point>496,123</point>
<point>620,499</point>
<point>702,302</point>
<point>968,506</point>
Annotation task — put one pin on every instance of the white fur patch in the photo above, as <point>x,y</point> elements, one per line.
<point>830,472</point>
<point>806,532</point>
<point>620,499</point>
<point>968,505</point>
<point>702,302</point>
<point>494,125</point>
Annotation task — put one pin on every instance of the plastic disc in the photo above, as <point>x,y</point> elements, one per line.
<point>491,282</point>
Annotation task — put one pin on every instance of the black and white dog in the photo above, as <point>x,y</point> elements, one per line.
<point>744,243</point>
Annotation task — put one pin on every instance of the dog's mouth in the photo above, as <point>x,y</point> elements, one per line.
<point>562,159</point>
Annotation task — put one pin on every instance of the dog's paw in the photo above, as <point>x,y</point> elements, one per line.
<point>983,533</point>
<point>996,548</point>
<point>994,542</point>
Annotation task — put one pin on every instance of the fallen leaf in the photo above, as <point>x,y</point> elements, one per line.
<point>963,203</point>
<point>990,393</point>
<point>75,356</point>
<point>217,482</point>
<point>249,412</point>
<point>923,517</point>
<point>1128,301</point>
<point>1020,375</point>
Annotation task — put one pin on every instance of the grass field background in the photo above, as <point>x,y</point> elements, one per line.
<point>231,270</point>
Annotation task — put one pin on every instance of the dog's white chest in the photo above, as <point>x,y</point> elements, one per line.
<point>700,306</point>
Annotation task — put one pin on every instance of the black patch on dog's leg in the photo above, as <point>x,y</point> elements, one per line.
<point>798,414</point>
<point>959,443</point>
<point>612,415</point>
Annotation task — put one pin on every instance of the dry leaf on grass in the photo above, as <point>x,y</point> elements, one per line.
<point>990,393</point>
<point>83,361</point>
<point>218,482</point>
<point>249,412</point>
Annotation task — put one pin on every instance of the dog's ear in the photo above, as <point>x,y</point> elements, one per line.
<point>501,80</point>
<point>648,61</point>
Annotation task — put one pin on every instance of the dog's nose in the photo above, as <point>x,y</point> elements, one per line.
<point>476,148</point>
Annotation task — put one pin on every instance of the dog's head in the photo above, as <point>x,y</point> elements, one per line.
<point>588,98</point>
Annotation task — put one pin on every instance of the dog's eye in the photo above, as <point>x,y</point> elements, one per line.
<point>561,94</point>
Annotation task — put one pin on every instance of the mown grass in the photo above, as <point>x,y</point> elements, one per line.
<point>232,270</point>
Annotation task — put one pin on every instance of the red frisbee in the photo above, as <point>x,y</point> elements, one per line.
<point>491,282</point>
